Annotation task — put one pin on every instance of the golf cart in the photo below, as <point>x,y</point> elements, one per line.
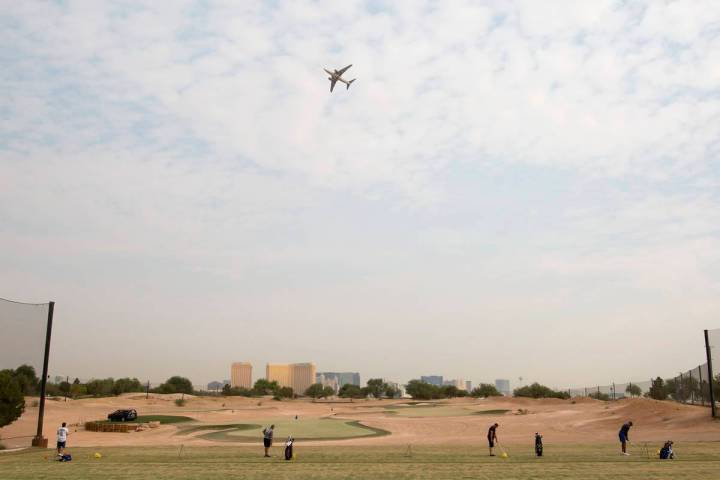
<point>127,415</point>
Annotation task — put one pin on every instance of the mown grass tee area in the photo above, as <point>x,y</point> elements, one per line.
<point>695,461</point>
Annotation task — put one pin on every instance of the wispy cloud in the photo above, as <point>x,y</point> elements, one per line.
<point>528,149</point>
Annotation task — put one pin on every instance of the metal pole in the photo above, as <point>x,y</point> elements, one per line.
<point>710,375</point>
<point>613,390</point>
<point>682,389</point>
<point>39,441</point>
<point>702,397</point>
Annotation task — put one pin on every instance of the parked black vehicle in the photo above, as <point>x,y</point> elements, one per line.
<point>123,415</point>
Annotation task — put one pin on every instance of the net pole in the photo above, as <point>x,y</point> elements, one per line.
<point>702,397</point>
<point>39,440</point>
<point>710,375</point>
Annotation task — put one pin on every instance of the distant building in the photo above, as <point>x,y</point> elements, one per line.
<point>341,378</point>
<point>214,386</point>
<point>327,380</point>
<point>298,376</point>
<point>458,383</point>
<point>436,380</point>
<point>241,375</point>
<point>503,386</point>
<point>468,386</point>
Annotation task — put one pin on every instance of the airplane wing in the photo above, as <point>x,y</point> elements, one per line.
<point>332,84</point>
<point>340,72</point>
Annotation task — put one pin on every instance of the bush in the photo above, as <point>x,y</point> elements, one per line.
<point>350,391</point>
<point>27,379</point>
<point>599,396</point>
<point>12,400</point>
<point>100,387</point>
<point>285,392</point>
<point>485,390</point>
<point>420,390</point>
<point>180,402</point>
<point>316,390</point>
<point>539,391</point>
<point>176,385</point>
<point>2,447</point>
<point>633,390</point>
<point>263,387</point>
<point>229,391</point>
<point>127,385</point>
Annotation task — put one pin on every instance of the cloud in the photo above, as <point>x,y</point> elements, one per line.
<point>565,154</point>
<point>601,86</point>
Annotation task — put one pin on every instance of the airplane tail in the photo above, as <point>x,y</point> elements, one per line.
<point>348,84</point>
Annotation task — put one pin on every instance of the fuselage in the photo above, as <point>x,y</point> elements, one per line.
<point>335,76</point>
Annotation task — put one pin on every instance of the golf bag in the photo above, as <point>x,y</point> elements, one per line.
<point>66,457</point>
<point>666,452</point>
<point>289,448</point>
<point>538,445</point>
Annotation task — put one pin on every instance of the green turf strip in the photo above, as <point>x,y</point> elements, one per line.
<point>566,462</point>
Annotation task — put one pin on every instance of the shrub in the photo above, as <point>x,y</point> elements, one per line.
<point>485,390</point>
<point>350,391</point>
<point>539,391</point>
<point>176,384</point>
<point>599,396</point>
<point>229,391</point>
<point>180,402</point>
<point>12,400</point>
<point>315,390</point>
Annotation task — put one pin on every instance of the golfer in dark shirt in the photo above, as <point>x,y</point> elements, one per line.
<point>624,438</point>
<point>492,437</point>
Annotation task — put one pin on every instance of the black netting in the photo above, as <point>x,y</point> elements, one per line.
<point>689,386</point>
<point>22,349</point>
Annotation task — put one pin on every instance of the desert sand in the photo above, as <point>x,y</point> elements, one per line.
<point>580,420</point>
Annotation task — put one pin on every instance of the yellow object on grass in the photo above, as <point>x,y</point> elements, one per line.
<point>97,455</point>
<point>504,455</point>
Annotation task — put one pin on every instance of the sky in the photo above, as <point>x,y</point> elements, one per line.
<point>509,188</point>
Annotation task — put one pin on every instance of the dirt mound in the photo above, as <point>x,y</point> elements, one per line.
<point>647,407</point>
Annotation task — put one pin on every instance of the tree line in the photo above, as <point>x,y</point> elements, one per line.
<point>420,390</point>
<point>375,387</point>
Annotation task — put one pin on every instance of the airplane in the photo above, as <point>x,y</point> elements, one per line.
<point>337,75</point>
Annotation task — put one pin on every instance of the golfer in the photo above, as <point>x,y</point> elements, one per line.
<point>492,437</point>
<point>267,438</point>
<point>624,439</point>
<point>62,434</point>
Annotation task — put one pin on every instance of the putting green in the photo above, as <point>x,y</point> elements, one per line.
<point>301,429</point>
<point>164,419</point>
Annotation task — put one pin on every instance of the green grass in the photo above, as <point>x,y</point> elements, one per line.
<point>565,462</point>
<point>491,412</point>
<point>186,430</point>
<point>302,429</point>
<point>163,419</point>
<point>439,411</point>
